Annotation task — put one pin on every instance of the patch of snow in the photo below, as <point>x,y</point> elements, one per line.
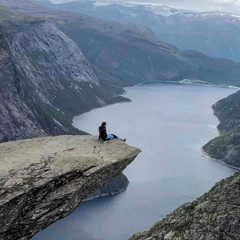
<point>57,122</point>
<point>162,10</point>
<point>77,88</point>
<point>235,16</point>
<point>103,3</point>
<point>234,87</point>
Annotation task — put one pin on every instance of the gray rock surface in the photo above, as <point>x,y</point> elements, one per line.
<point>45,79</point>
<point>214,216</point>
<point>45,179</point>
<point>117,185</point>
<point>41,71</point>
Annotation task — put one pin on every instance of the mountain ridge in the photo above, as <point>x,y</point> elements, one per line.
<point>213,33</point>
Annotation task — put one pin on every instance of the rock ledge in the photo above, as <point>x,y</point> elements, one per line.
<point>45,179</point>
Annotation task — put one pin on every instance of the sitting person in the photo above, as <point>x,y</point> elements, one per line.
<point>104,136</point>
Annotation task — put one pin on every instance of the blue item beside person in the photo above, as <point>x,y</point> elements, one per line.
<point>104,136</point>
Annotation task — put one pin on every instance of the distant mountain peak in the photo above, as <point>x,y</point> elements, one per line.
<point>43,1</point>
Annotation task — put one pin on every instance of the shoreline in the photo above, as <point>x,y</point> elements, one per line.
<point>189,82</point>
<point>106,105</point>
<point>181,82</point>
<point>216,160</point>
<point>200,83</point>
<point>219,134</point>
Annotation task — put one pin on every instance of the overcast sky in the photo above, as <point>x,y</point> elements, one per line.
<point>200,5</point>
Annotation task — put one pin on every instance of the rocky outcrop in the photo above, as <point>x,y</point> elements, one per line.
<point>45,179</point>
<point>214,216</point>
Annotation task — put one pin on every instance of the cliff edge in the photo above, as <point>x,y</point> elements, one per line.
<point>45,179</point>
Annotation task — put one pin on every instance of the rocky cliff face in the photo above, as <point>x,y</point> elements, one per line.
<point>45,179</point>
<point>26,96</point>
<point>213,216</point>
<point>45,79</point>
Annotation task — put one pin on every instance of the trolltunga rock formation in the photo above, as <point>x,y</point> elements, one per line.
<point>45,179</point>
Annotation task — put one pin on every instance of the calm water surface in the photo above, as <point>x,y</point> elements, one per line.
<point>170,123</point>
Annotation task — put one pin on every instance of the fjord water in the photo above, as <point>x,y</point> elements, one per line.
<point>170,123</point>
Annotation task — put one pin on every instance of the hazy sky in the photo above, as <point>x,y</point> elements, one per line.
<point>201,5</point>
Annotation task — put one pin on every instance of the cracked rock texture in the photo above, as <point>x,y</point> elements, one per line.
<point>214,216</point>
<point>45,179</point>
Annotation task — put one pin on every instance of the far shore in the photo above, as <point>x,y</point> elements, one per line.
<point>190,82</point>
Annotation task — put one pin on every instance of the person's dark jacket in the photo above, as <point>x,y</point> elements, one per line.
<point>102,133</point>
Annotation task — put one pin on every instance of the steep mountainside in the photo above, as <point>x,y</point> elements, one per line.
<point>214,216</point>
<point>131,53</point>
<point>135,59</point>
<point>45,79</point>
<point>227,146</point>
<point>215,34</point>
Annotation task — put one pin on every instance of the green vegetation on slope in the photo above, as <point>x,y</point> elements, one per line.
<point>228,112</point>
<point>227,146</point>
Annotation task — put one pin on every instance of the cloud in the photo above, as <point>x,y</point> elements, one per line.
<point>197,5</point>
